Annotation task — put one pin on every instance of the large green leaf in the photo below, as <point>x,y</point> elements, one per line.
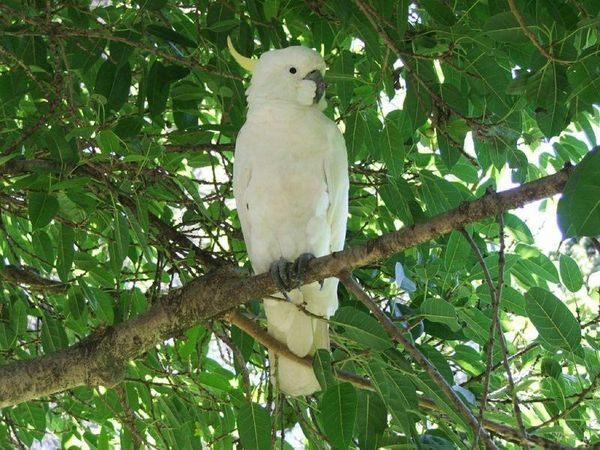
<point>396,391</point>
<point>553,320</point>
<point>362,328</point>
<point>579,207</point>
<point>113,83</point>
<point>338,413</point>
<point>322,365</point>
<point>570,273</point>
<point>371,421</point>
<point>342,76</point>
<point>550,89</point>
<point>254,426</point>
<point>457,251</point>
<point>66,252</point>
<point>439,11</point>
<point>439,310</point>
<point>42,209</point>
<point>440,195</point>
<point>53,334</point>
<point>504,27</point>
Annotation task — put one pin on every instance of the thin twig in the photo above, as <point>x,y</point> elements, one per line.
<point>491,333</point>
<point>531,35</point>
<point>496,299</point>
<point>564,413</point>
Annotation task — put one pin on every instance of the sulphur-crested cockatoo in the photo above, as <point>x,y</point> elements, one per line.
<point>290,181</point>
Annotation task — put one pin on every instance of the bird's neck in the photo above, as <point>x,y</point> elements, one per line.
<point>279,110</point>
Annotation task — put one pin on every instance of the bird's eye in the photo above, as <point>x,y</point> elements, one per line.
<point>293,70</point>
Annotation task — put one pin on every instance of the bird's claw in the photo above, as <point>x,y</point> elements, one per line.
<point>279,271</point>
<point>300,265</point>
<point>290,276</point>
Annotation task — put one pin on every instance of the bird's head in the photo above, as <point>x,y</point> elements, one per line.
<point>292,74</point>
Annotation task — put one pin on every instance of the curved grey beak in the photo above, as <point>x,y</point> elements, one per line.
<point>317,77</point>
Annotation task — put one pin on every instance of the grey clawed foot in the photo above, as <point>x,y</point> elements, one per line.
<point>288,275</point>
<point>300,265</point>
<point>280,271</point>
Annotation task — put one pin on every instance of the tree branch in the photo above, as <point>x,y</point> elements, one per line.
<point>29,277</point>
<point>100,358</point>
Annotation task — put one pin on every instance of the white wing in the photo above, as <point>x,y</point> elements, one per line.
<point>336,175</point>
<point>242,174</point>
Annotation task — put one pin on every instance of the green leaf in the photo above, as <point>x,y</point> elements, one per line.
<point>53,334</point>
<point>108,142</point>
<point>18,317</point>
<point>457,251</point>
<point>579,207</point>
<point>396,195</point>
<point>119,244</point>
<point>76,303</point>
<point>362,328</point>
<point>549,88</point>
<point>517,228</point>
<point>570,273</point>
<point>323,368</point>
<point>243,340</point>
<point>477,324</point>
<point>584,77</point>
<point>254,426</point>
<point>439,195</point>
<point>270,8</point>
<point>42,209</point>
<point>550,367</point>
<point>503,27</point>
<point>66,252</point>
<point>354,134</point>
<point>396,391</point>
<point>104,307</point>
<point>342,77</point>
<point>439,11</point>
<point>338,414</point>
<point>170,35</point>
<point>152,5</point>
<point>439,310</point>
<point>157,90</point>
<point>439,360</point>
<point>32,414</point>
<point>537,263</point>
<point>512,300</point>
<point>553,320</point>
<point>113,83</point>
<point>391,143</point>
<point>371,421</point>
<point>42,245</point>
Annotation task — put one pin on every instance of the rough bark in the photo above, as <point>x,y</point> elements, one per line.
<point>100,359</point>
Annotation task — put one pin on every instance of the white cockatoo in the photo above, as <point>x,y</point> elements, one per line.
<point>290,181</point>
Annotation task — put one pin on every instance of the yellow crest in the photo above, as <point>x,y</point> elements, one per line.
<point>245,62</point>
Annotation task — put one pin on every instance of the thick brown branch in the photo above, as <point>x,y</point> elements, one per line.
<point>101,357</point>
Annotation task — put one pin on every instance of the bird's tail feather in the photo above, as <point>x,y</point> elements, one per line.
<point>302,333</point>
<point>292,377</point>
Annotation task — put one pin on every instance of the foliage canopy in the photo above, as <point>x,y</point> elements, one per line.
<point>117,126</point>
